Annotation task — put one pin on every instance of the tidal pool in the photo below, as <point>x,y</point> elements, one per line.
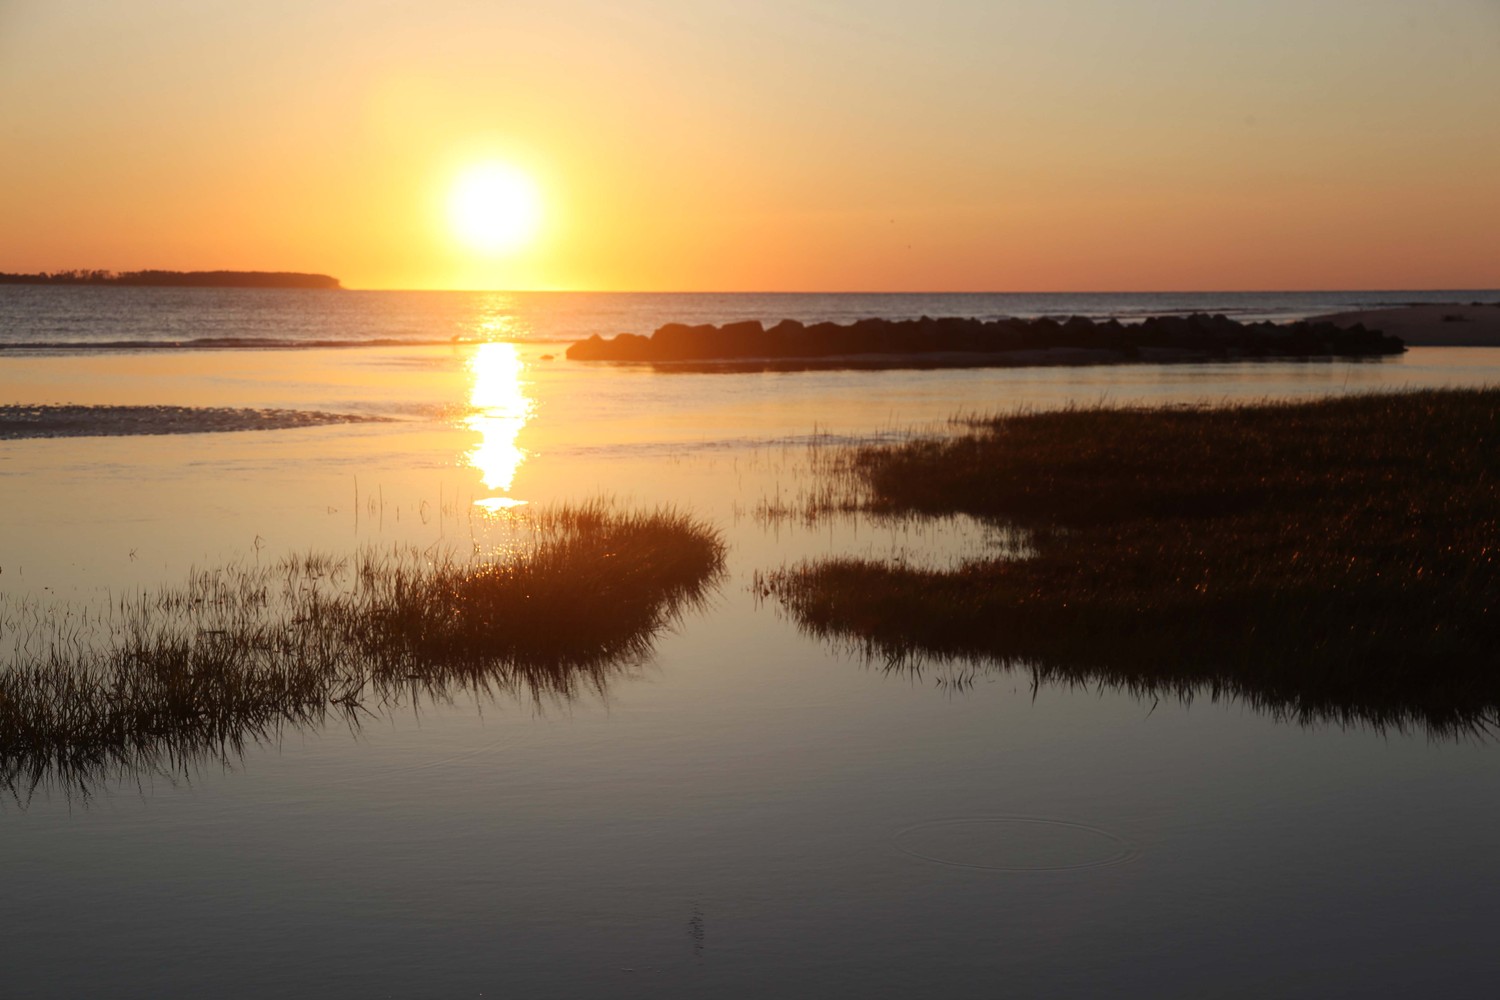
<point>742,812</point>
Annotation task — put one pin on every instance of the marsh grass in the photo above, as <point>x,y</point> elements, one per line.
<point>1332,560</point>
<point>238,654</point>
<point>824,477</point>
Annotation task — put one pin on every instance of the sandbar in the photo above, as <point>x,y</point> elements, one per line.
<point>1443,325</point>
<point>115,421</point>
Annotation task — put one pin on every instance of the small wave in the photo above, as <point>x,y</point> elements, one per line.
<point>116,421</point>
<point>242,343</point>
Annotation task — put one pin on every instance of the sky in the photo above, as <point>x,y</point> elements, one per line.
<point>823,145</point>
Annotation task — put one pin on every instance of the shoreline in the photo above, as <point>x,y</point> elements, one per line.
<point>1428,324</point>
<point>1051,357</point>
<point>175,279</point>
<point>41,420</point>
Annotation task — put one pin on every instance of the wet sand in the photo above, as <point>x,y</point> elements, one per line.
<point>1452,325</point>
<point>113,421</point>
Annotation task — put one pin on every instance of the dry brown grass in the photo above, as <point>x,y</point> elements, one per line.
<point>238,654</point>
<point>1326,560</point>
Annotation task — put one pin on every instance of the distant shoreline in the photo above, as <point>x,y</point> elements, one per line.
<point>177,279</point>
<point>1429,324</point>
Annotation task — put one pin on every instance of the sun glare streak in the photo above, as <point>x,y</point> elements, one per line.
<point>502,409</point>
<point>495,208</point>
<point>495,319</point>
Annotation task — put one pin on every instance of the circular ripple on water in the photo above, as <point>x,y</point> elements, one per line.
<point>1015,844</point>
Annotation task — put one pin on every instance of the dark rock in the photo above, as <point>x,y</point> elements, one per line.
<point>632,347</point>
<point>593,349</point>
<point>1200,335</point>
<point>679,342</point>
<point>742,340</point>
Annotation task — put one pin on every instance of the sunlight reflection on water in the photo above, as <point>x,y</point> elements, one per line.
<point>501,410</point>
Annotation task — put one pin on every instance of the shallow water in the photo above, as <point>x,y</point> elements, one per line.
<point>746,813</point>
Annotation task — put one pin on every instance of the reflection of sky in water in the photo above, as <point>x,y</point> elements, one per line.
<point>710,729</point>
<point>501,409</point>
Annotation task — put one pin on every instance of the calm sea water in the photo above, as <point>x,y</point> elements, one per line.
<point>747,812</point>
<point>53,318</point>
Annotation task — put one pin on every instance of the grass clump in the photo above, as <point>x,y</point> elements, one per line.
<point>1326,560</point>
<point>239,653</point>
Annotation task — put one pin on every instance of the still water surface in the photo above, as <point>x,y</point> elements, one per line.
<point>747,812</point>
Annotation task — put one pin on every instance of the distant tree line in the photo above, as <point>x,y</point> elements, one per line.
<point>176,279</point>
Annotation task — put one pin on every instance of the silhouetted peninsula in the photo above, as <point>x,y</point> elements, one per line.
<point>954,342</point>
<point>176,279</point>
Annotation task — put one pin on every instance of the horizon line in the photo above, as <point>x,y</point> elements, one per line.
<point>1066,291</point>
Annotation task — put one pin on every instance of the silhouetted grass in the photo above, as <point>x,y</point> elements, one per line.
<point>1324,560</point>
<point>237,654</point>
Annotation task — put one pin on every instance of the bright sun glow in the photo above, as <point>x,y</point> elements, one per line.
<point>501,409</point>
<point>494,208</point>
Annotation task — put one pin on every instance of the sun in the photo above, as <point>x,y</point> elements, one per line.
<point>494,208</point>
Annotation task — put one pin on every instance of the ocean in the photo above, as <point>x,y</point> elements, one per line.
<point>52,318</point>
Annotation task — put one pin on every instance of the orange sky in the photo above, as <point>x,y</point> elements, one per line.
<point>818,145</point>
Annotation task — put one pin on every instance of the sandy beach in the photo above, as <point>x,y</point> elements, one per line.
<point>1428,325</point>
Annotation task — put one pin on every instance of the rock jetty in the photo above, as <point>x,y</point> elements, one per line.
<point>975,342</point>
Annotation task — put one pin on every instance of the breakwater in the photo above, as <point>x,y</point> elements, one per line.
<point>990,342</point>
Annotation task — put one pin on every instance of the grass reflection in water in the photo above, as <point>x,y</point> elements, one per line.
<point>1333,560</point>
<point>201,671</point>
